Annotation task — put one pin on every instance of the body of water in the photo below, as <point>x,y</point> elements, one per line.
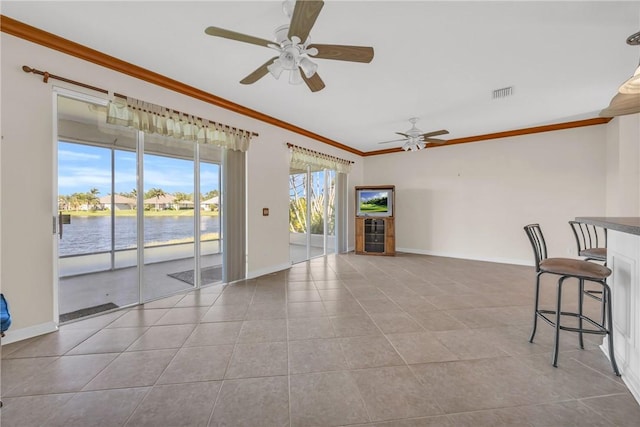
<point>93,233</point>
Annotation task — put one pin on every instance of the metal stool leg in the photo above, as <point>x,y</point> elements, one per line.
<point>580,302</point>
<point>606,293</point>
<point>556,340</point>
<point>603,307</point>
<point>535,308</point>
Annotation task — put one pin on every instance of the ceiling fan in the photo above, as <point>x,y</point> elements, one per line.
<point>294,48</point>
<point>415,140</point>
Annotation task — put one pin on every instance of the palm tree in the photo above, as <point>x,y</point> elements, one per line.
<point>92,198</point>
<point>298,206</point>
<point>209,195</point>
<point>180,197</point>
<point>157,193</point>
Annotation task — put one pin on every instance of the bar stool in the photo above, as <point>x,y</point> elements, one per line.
<point>566,268</point>
<point>591,241</point>
<point>592,245</point>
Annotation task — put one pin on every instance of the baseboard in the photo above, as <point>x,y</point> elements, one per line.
<point>272,269</point>
<point>15,335</point>
<point>459,256</point>
<point>633,385</point>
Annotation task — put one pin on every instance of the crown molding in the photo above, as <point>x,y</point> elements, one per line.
<point>506,134</point>
<point>51,41</point>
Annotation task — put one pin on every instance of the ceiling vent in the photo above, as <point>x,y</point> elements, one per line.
<point>503,92</point>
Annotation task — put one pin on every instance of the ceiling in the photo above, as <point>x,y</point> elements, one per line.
<point>438,61</point>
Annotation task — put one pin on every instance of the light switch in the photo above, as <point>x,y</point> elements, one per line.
<point>265,211</point>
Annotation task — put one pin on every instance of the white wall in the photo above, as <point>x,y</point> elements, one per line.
<point>623,166</point>
<point>27,171</point>
<point>472,200</point>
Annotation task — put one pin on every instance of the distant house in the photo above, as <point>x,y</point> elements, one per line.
<point>166,201</point>
<point>120,203</point>
<point>210,204</point>
<point>183,204</point>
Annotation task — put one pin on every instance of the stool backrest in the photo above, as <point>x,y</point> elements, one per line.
<point>588,236</point>
<point>534,232</point>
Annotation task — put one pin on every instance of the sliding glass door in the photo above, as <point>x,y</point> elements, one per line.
<point>137,215</point>
<point>169,227</point>
<point>95,212</point>
<point>311,213</point>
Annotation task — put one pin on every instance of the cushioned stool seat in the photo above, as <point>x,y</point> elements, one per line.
<point>598,254</point>
<point>574,267</point>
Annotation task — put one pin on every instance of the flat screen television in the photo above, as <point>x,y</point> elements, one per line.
<point>374,202</point>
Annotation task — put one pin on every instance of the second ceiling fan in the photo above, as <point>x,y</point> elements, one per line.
<point>294,48</point>
<point>415,140</point>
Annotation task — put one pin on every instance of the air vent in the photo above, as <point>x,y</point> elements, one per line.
<point>503,92</point>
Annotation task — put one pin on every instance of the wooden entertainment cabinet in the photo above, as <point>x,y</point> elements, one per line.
<point>375,235</point>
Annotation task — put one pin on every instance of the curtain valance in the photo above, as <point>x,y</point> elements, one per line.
<point>151,118</point>
<point>302,157</point>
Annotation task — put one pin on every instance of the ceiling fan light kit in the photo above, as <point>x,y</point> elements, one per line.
<point>627,100</point>
<point>415,140</point>
<point>293,58</point>
<point>413,146</point>
<point>621,105</point>
<point>293,46</point>
<point>631,86</point>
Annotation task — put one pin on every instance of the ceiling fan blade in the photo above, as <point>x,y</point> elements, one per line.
<point>304,16</point>
<point>403,134</point>
<point>232,35</point>
<point>434,141</point>
<point>435,133</point>
<point>314,82</point>
<point>259,73</point>
<point>395,140</point>
<point>343,52</point>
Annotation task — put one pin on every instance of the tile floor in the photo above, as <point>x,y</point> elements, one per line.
<point>342,340</point>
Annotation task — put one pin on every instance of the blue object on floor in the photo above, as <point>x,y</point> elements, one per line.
<point>5,315</point>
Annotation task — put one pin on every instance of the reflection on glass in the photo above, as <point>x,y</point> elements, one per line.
<point>168,216</point>
<point>298,216</point>
<point>317,199</point>
<point>210,258</point>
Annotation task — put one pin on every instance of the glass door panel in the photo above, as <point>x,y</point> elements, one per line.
<point>312,225</point>
<point>330,215</point>
<point>90,281</point>
<point>210,208</point>
<point>298,236</point>
<point>317,199</point>
<point>125,210</point>
<point>168,216</point>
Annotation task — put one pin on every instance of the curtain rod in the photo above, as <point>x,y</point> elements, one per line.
<point>290,145</point>
<point>46,76</point>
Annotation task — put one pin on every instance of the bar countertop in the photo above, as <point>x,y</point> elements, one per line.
<point>629,224</point>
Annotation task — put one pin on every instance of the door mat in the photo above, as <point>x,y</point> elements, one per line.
<point>87,312</point>
<point>208,275</point>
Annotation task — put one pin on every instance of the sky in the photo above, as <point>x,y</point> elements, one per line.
<point>82,167</point>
